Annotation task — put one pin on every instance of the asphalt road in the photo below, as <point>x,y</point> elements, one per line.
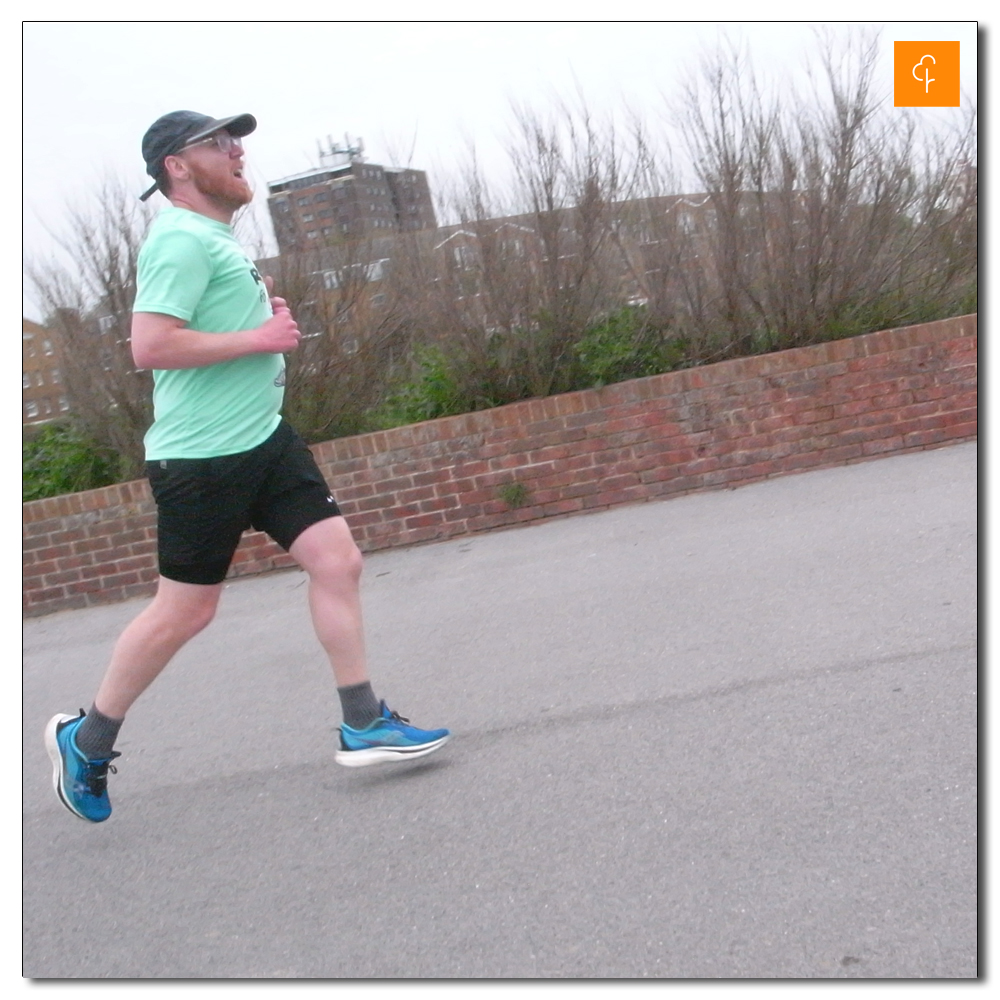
<point>730,735</point>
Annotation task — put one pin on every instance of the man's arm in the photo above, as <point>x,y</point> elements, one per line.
<point>165,342</point>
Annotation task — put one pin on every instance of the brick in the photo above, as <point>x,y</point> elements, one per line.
<point>562,507</point>
<point>42,541</point>
<point>53,552</point>
<point>663,474</point>
<point>842,454</point>
<point>613,497</point>
<point>54,579</point>
<point>416,496</point>
<point>48,594</point>
<point>475,496</point>
<point>442,503</point>
<point>961,432</point>
<point>883,446</point>
<point>91,545</point>
<point>66,537</point>
<point>422,520</point>
<point>892,400</point>
<point>39,569</point>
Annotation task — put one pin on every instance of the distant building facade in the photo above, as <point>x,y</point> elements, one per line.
<point>353,275</point>
<point>347,198</point>
<point>43,392</point>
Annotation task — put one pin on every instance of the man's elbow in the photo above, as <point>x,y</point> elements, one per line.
<point>150,340</point>
<point>142,356</point>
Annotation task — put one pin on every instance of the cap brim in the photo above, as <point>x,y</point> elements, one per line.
<point>235,125</point>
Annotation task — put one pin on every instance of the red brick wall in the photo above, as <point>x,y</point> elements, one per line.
<point>702,428</point>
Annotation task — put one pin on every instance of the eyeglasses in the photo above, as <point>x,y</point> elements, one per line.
<point>223,141</point>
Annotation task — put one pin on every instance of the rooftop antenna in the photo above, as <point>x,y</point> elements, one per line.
<point>341,156</point>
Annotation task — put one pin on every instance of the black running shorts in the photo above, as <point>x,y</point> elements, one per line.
<point>205,504</point>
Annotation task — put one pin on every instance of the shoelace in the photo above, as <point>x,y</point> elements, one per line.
<point>96,774</point>
<point>396,717</point>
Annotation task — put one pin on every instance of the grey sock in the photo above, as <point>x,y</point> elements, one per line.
<point>359,704</point>
<point>97,734</point>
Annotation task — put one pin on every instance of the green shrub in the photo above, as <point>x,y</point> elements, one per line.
<point>59,459</point>
<point>431,391</point>
<point>626,345</point>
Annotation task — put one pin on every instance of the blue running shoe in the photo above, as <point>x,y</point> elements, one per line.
<point>388,738</point>
<point>81,784</point>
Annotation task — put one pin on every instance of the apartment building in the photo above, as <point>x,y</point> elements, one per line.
<point>347,198</point>
<point>43,393</point>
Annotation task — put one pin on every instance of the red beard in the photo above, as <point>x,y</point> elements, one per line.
<point>221,186</point>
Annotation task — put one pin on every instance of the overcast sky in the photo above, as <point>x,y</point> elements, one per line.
<point>416,92</point>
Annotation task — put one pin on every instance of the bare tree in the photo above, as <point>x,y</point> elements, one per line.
<point>351,303</point>
<point>828,216</point>
<point>88,301</point>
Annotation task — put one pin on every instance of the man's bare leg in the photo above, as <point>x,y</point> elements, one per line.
<point>328,553</point>
<point>81,749</point>
<point>178,612</point>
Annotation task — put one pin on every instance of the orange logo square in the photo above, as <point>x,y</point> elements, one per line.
<point>925,75</point>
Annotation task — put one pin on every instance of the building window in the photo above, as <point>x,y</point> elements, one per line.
<point>26,381</point>
<point>374,271</point>
<point>105,323</point>
<point>465,257</point>
<point>31,408</point>
<point>302,201</point>
<point>307,218</point>
<point>312,234</point>
<point>56,376</point>
<point>39,378</point>
<point>322,196</point>
<point>63,404</point>
<point>47,347</point>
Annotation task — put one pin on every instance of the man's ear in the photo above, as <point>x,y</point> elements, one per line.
<point>176,168</point>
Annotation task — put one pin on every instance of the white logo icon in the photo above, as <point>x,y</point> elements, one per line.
<point>926,79</point>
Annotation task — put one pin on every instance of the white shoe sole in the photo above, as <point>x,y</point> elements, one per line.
<point>52,745</point>
<point>387,755</point>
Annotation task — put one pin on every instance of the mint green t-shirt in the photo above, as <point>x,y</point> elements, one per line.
<point>192,268</point>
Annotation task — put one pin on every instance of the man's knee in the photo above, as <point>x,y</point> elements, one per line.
<point>341,560</point>
<point>327,550</point>
<point>186,608</point>
<point>203,616</point>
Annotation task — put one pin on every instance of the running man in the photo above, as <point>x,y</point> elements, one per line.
<point>220,459</point>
